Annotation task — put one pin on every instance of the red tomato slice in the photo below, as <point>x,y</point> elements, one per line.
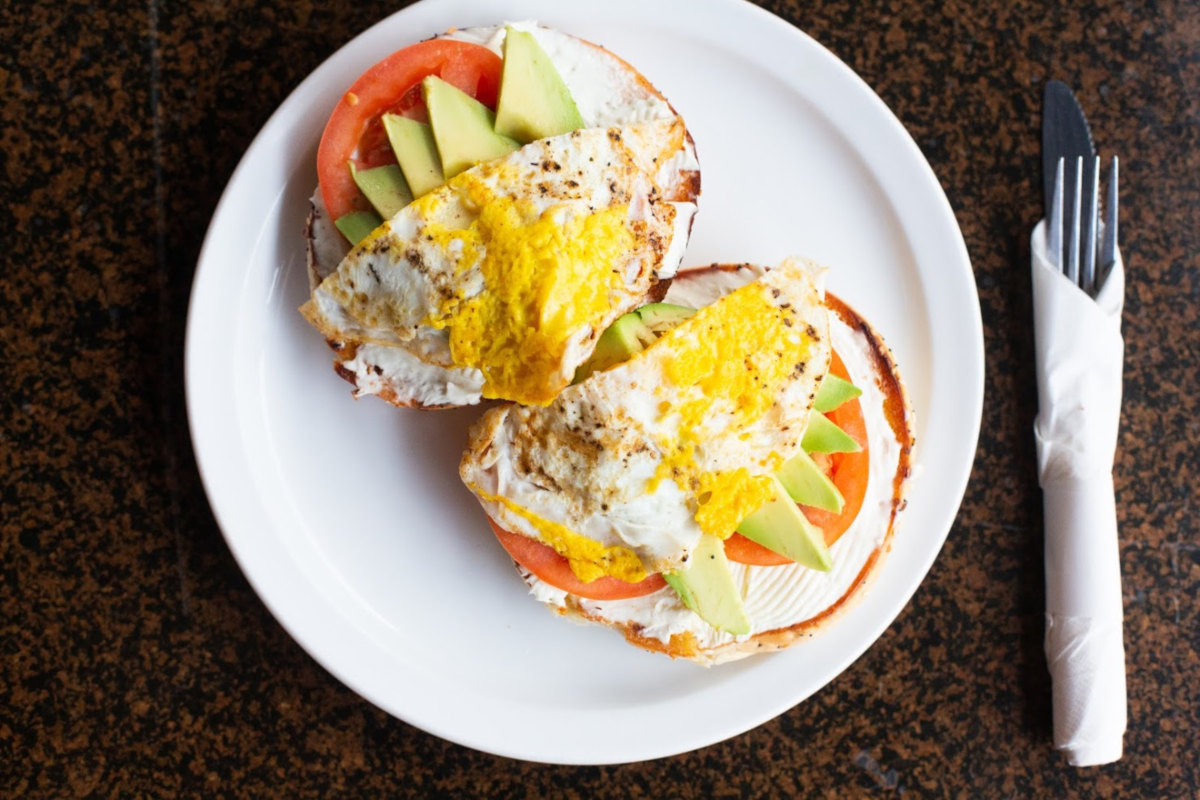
<point>746,551</point>
<point>555,570</point>
<point>354,130</point>
<point>848,471</point>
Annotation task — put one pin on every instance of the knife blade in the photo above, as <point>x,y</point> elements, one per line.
<point>1065,135</point>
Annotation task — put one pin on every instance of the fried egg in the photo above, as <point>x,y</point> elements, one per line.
<point>623,472</point>
<point>511,269</point>
<point>533,478</point>
<point>498,283</point>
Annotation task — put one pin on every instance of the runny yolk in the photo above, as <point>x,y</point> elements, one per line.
<point>733,357</point>
<point>545,276</point>
<point>588,558</point>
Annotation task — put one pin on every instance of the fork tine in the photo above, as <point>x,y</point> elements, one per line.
<point>1108,248</point>
<point>1073,242</point>
<point>1055,246</point>
<point>1087,276</point>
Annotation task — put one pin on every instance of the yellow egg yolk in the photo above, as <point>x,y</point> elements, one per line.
<point>547,275</point>
<point>588,558</point>
<point>733,357</point>
<point>726,498</point>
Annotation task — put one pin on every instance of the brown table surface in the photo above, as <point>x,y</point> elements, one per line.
<point>137,661</point>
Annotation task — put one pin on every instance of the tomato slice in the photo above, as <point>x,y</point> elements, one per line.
<point>747,551</point>
<point>848,471</point>
<point>555,570</point>
<point>355,130</point>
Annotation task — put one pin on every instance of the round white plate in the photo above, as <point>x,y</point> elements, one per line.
<point>348,517</point>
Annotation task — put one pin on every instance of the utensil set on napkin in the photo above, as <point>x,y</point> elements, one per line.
<point>1078,291</point>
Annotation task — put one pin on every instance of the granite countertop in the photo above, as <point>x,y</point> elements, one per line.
<point>137,660</point>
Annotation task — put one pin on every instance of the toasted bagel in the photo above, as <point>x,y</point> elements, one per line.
<point>420,373</point>
<point>793,601</point>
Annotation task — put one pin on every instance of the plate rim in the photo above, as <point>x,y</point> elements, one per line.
<point>217,493</point>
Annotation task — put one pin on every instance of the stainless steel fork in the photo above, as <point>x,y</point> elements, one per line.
<point>1075,254</point>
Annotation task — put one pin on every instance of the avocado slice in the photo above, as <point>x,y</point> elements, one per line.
<point>779,525</point>
<point>384,187</point>
<point>823,436</point>
<point>706,586</point>
<point>618,343</point>
<point>631,334</point>
<point>807,485</point>
<point>462,127</point>
<point>834,391</point>
<point>357,225</point>
<point>661,317</point>
<point>534,102</point>
<point>415,149</point>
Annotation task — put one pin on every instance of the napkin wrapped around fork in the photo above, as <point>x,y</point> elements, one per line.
<point>1079,362</point>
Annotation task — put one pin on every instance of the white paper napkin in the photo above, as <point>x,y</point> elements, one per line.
<point>1079,357</point>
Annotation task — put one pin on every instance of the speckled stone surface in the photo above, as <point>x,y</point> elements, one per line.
<point>137,661</point>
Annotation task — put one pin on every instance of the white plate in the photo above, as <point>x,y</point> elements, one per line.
<point>348,517</point>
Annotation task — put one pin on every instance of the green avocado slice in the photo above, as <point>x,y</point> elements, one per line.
<point>357,225</point>
<point>462,127</point>
<point>824,436</point>
<point>779,525</point>
<point>705,585</point>
<point>534,101</point>
<point>807,485</point>
<point>631,334</point>
<point>834,391</point>
<point>661,317</point>
<point>384,187</point>
<point>416,152</point>
<point>618,342</point>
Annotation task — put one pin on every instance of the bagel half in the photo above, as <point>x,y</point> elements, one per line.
<point>785,602</point>
<point>634,151</point>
